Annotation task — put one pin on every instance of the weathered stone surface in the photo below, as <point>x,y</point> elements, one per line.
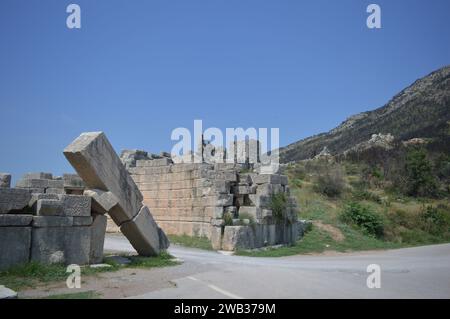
<point>35,197</point>
<point>49,207</point>
<point>73,181</point>
<point>6,293</point>
<point>216,238</point>
<point>237,237</point>
<point>102,202</point>
<point>13,199</point>
<point>98,230</point>
<point>55,191</point>
<point>76,205</point>
<point>5,180</point>
<point>48,244</point>
<point>164,242</point>
<point>266,179</point>
<point>98,165</point>
<point>52,221</point>
<point>142,232</point>
<point>252,212</point>
<point>77,245</point>
<point>32,183</point>
<point>38,175</point>
<point>15,220</point>
<point>14,246</point>
<point>82,220</point>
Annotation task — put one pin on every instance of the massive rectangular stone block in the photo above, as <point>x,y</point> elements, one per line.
<point>15,220</point>
<point>38,175</point>
<point>48,245</point>
<point>49,207</point>
<point>266,179</point>
<point>14,246</point>
<point>98,165</point>
<point>13,199</point>
<point>142,232</point>
<point>52,221</point>
<point>77,245</point>
<point>98,230</point>
<point>82,220</point>
<point>36,197</point>
<point>75,205</point>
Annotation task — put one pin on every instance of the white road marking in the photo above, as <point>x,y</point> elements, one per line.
<point>219,290</point>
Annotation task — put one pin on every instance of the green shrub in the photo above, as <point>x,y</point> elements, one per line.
<point>330,183</point>
<point>228,219</point>
<point>243,216</point>
<point>366,195</point>
<point>419,177</point>
<point>278,205</point>
<point>296,182</point>
<point>435,221</point>
<point>364,217</point>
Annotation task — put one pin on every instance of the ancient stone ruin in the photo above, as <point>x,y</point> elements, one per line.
<point>230,204</point>
<point>62,220</point>
<point>43,220</point>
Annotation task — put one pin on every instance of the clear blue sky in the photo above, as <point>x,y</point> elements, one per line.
<point>138,69</point>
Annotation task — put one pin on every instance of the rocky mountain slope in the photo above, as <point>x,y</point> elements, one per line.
<point>421,110</point>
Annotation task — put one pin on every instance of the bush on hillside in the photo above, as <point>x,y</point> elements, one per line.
<point>363,217</point>
<point>330,183</point>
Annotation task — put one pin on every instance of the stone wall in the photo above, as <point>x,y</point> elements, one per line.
<point>41,220</point>
<point>227,203</point>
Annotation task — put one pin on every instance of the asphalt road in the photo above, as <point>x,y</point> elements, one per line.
<point>421,272</point>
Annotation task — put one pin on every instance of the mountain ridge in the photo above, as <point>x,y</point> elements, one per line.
<point>421,110</point>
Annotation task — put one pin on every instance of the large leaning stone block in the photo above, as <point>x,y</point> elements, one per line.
<point>102,202</point>
<point>14,246</point>
<point>143,233</point>
<point>5,180</point>
<point>13,199</point>
<point>98,230</point>
<point>98,165</point>
<point>164,242</point>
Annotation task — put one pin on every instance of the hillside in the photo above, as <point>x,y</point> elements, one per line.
<point>421,110</point>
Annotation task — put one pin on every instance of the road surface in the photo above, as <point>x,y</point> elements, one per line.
<point>420,272</point>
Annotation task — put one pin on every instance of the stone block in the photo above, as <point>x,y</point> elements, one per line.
<point>14,246</point>
<point>32,183</point>
<point>55,191</point>
<point>231,210</point>
<point>142,232</point>
<point>216,238</point>
<point>98,165</point>
<point>15,220</point>
<point>82,220</point>
<point>266,179</point>
<point>283,180</point>
<point>76,205</point>
<point>13,199</point>
<point>48,244</point>
<point>38,175</point>
<point>102,202</point>
<point>5,180</point>
<point>164,242</point>
<point>77,245</point>
<point>217,222</point>
<point>35,197</point>
<point>98,230</point>
<point>52,221</point>
<point>260,201</point>
<point>6,293</point>
<point>251,211</point>
<point>73,181</point>
<point>237,237</point>
<point>49,207</point>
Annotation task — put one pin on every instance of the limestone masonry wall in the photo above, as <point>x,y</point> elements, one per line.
<point>227,203</point>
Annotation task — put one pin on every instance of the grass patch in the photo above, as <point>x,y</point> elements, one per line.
<point>193,242</point>
<point>76,295</point>
<point>33,274</point>
<point>319,241</point>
